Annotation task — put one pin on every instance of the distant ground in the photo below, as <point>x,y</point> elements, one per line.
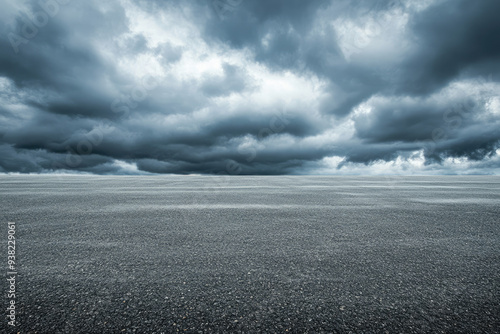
<point>254,254</point>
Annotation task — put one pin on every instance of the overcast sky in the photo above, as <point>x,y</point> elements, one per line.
<point>250,87</point>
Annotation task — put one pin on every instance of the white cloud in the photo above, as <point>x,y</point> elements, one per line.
<point>414,164</point>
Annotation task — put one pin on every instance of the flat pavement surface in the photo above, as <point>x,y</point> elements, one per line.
<point>191,254</point>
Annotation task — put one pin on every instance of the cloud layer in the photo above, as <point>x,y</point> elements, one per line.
<point>250,87</point>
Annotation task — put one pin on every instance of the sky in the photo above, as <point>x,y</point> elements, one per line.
<point>237,87</point>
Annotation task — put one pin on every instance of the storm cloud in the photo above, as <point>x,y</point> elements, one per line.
<point>250,87</point>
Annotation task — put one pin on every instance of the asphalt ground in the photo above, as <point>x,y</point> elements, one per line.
<point>166,254</point>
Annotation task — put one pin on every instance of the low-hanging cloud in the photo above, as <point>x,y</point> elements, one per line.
<point>250,87</point>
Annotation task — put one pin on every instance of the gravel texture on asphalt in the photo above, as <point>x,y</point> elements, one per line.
<point>277,254</point>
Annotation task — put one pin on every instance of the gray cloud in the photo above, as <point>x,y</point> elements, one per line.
<point>270,87</point>
<point>454,39</point>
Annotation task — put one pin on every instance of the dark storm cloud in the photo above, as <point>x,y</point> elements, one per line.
<point>402,120</point>
<point>453,38</point>
<point>252,20</point>
<point>252,87</point>
<point>60,59</point>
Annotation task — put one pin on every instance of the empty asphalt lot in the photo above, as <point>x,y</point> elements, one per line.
<point>99,254</point>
